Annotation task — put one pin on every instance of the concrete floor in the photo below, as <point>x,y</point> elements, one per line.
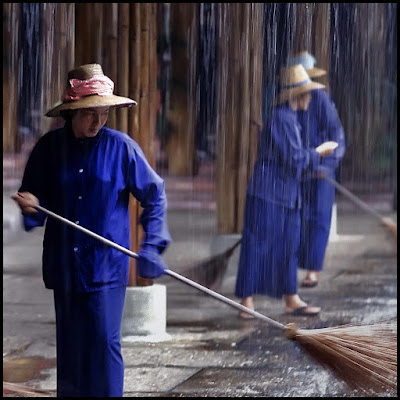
<point>211,352</point>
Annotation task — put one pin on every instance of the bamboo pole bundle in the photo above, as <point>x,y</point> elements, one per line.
<point>181,128</point>
<point>84,48</point>
<point>10,74</point>
<point>243,112</point>
<point>321,42</point>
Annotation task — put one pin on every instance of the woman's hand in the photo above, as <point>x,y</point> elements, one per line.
<point>326,148</point>
<point>26,202</point>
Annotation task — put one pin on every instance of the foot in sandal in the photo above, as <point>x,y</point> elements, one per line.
<point>311,279</point>
<point>295,306</point>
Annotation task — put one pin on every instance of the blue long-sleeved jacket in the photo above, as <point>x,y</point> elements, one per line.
<point>321,123</point>
<point>88,181</point>
<point>281,160</point>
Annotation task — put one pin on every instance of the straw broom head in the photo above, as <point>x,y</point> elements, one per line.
<point>365,357</point>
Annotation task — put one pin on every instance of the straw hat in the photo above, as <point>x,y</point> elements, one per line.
<point>88,87</point>
<point>295,81</point>
<point>308,61</point>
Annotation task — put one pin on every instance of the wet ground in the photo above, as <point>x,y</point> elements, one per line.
<point>212,353</point>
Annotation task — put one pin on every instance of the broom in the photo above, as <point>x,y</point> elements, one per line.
<point>385,221</point>
<point>365,357</point>
<point>211,272</point>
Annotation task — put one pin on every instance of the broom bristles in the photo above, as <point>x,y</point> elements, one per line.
<point>365,357</point>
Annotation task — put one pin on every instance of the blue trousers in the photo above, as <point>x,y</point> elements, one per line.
<point>269,250</point>
<point>89,359</point>
<point>318,196</point>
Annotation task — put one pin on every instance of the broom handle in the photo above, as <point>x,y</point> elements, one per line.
<point>352,197</point>
<point>167,271</point>
<point>224,299</point>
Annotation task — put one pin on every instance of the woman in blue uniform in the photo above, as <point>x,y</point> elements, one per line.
<point>319,123</point>
<point>268,259</point>
<point>86,172</point>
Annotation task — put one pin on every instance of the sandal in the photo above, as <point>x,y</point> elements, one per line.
<point>304,311</point>
<point>309,283</point>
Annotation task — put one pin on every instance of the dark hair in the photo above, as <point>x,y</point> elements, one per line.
<point>67,115</point>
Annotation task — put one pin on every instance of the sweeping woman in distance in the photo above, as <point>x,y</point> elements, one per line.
<point>268,259</point>
<point>86,172</point>
<point>318,123</point>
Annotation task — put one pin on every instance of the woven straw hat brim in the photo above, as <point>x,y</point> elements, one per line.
<point>316,72</point>
<point>287,94</point>
<point>92,101</point>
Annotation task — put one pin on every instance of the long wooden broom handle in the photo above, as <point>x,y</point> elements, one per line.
<point>354,198</point>
<point>175,275</point>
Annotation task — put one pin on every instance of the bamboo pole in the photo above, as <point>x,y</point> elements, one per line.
<point>144,106</point>
<point>10,75</point>
<point>110,50</point>
<point>133,125</point>
<point>144,74</point>
<point>134,62</point>
<point>152,84</point>
<point>122,87</point>
<point>223,95</point>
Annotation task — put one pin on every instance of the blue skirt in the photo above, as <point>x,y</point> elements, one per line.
<point>318,196</point>
<point>89,359</point>
<point>269,250</point>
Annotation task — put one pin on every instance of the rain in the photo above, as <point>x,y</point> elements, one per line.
<point>206,76</point>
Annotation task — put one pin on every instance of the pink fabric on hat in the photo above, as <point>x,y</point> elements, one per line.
<point>100,85</point>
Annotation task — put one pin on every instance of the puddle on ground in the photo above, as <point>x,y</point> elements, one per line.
<point>24,369</point>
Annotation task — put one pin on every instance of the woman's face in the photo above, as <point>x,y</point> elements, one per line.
<point>303,101</point>
<point>86,122</point>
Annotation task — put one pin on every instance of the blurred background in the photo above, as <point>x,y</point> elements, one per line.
<point>202,75</point>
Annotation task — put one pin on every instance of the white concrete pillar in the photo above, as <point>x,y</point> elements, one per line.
<point>145,314</point>
<point>333,236</point>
